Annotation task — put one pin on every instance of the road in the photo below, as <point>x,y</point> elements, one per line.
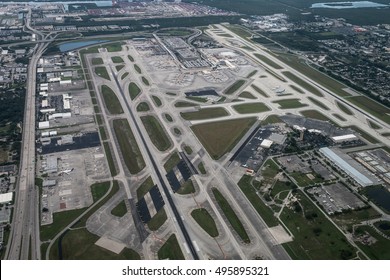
<point>24,240</point>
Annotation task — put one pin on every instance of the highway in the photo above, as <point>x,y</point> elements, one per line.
<point>24,240</point>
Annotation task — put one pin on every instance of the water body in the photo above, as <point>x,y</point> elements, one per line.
<point>66,47</point>
<point>348,5</point>
<point>380,196</point>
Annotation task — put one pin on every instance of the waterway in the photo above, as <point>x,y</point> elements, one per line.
<point>380,196</point>
<point>348,5</point>
<point>66,47</point>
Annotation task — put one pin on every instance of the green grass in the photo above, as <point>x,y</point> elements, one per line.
<point>204,114</point>
<point>290,103</point>
<point>231,215</point>
<point>271,119</point>
<point>318,103</point>
<point>373,124</point>
<point>315,237</point>
<point>143,107</point>
<point>355,217</point>
<point>170,93</point>
<point>130,58</point>
<point>269,169</point>
<point>120,210</point>
<point>303,181</point>
<point>124,75</point>
<point>145,187</point>
<point>156,133</point>
<point>176,131</point>
<point>220,137</point>
<point>188,150</point>
<point>268,61</point>
<point>302,83</point>
<point>172,161</point>
<point>117,59</point>
<point>110,159</point>
<point>111,101</point>
<point>298,89</point>
<point>80,245</point>
<point>370,106</point>
<point>168,117</point>
<point>234,87</point>
<point>136,68</point>
<point>250,192</point>
<point>313,114</point>
<point>99,189</point>
<point>119,67</point>
<point>134,90</point>
<point>186,188</point>
<point>157,220</point>
<point>344,108</point>
<point>201,168</point>
<point>251,108</point>
<point>114,47</point>
<point>340,117</point>
<point>181,104</point>
<point>170,250</point>
<point>157,101</point>
<point>380,250</point>
<point>101,71</point>
<point>145,81</point>
<point>197,99</point>
<point>128,146</point>
<point>97,61</point>
<point>247,94</point>
<point>259,91</point>
<point>278,187</point>
<point>251,74</point>
<point>204,219</point>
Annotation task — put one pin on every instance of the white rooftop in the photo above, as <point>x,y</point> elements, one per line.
<point>6,197</point>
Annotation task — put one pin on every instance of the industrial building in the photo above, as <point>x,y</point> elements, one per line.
<point>344,138</point>
<point>6,197</point>
<point>362,179</point>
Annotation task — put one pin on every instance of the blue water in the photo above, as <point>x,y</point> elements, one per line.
<point>349,5</point>
<point>66,47</point>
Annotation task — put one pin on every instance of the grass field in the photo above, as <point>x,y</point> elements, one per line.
<point>380,250</point>
<point>136,68</point>
<point>259,91</point>
<point>156,133</point>
<point>231,216</point>
<point>197,99</point>
<point>111,101</point>
<point>372,107</point>
<point>302,83</point>
<point>318,103</point>
<point>247,94</point>
<point>120,210</point>
<point>250,192</point>
<point>134,90</point>
<point>251,108</point>
<point>344,108</point>
<point>99,189</point>
<point>188,150</point>
<point>128,146</point>
<point>170,250</point>
<point>157,220</point>
<point>373,125</point>
<point>186,188</point>
<point>177,131</point>
<point>298,89</point>
<point>271,119</point>
<point>130,58</point>
<point>97,61</point>
<point>204,114</point>
<point>172,161</point>
<point>119,67</point>
<point>340,117</point>
<point>156,100</point>
<point>291,103</point>
<point>182,104</point>
<point>251,74</point>
<point>220,137</point>
<point>355,217</point>
<point>80,245</point>
<point>313,114</point>
<point>268,61</point>
<point>143,107</point>
<point>145,187</point>
<point>117,59</point>
<point>315,237</point>
<point>124,75</point>
<point>101,71</point>
<point>114,47</point>
<point>204,219</point>
<point>234,87</point>
<point>201,168</point>
<point>145,81</point>
<point>110,159</point>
